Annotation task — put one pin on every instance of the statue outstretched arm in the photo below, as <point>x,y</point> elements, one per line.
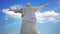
<point>40,7</point>
<point>17,11</point>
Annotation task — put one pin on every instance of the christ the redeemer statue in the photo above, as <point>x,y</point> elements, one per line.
<point>29,18</point>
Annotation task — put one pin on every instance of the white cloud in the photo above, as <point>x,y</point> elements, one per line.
<point>16,7</point>
<point>12,14</point>
<point>47,16</point>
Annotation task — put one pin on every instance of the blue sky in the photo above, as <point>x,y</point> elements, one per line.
<point>12,25</point>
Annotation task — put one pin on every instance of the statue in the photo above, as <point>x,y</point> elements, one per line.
<point>29,18</point>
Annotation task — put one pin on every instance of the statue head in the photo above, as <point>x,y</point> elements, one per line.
<point>28,4</point>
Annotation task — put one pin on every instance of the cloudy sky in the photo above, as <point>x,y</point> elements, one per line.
<point>48,19</point>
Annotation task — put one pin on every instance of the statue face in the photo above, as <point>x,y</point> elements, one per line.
<point>28,4</point>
